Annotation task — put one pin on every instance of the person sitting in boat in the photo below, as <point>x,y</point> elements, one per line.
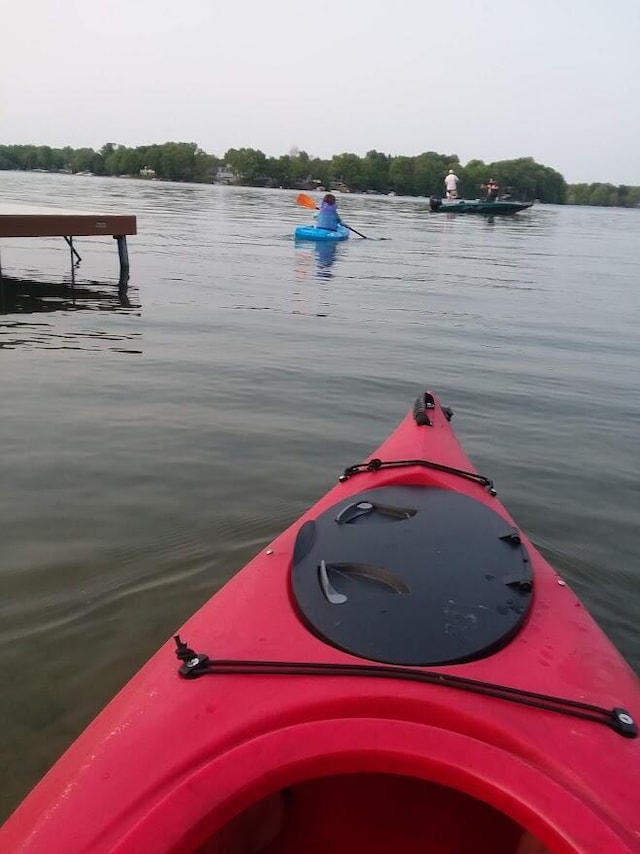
<point>328,215</point>
<point>492,189</point>
<point>451,184</point>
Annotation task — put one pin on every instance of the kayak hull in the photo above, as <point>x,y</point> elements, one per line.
<point>477,206</point>
<point>321,235</point>
<point>255,759</point>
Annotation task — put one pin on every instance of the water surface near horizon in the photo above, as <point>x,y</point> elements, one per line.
<point>153,444</point>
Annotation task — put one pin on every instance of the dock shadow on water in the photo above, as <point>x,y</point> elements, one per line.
<point>21,298</point>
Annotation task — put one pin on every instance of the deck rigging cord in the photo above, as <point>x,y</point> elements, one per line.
<point>195,665</point>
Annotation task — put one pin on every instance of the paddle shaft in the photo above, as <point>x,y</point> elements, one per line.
<point>354,231</point>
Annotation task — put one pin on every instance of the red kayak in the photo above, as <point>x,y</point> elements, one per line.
<point>399,671</point>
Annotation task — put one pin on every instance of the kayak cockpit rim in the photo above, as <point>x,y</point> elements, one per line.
<point>531,802</point>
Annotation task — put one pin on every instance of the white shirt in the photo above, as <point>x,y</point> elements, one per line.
<point>451,182</point>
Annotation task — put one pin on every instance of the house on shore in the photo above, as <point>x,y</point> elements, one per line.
<point>225,175</point>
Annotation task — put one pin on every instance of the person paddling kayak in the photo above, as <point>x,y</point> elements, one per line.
<point>328,214</point>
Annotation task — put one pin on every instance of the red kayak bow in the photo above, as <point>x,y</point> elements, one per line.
<point>400,670</point>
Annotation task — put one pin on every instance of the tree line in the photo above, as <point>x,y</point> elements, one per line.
<point>604,195</point>
<point>421,175</point>
<point>173,161</point>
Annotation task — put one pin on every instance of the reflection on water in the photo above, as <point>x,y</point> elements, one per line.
<point>325,256</point>
<point>25,296</point>
<point>316,258</point>
<point>313,261</point>
<point>20,297</point>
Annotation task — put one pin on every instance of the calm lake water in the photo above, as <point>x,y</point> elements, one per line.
<point>151,447</point>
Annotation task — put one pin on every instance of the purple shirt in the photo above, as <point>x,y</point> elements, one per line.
<point>328,217</point>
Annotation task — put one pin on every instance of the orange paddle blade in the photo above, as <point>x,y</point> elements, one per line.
<point>306,201</point>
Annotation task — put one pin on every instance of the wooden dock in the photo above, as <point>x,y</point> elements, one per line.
<point>17,220</point>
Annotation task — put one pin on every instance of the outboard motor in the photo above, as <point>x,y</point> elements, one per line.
<point>435,202</point>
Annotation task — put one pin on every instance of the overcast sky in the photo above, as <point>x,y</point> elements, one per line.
<point>558,80</point>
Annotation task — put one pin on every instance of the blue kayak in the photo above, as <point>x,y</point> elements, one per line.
<point>310,232</point>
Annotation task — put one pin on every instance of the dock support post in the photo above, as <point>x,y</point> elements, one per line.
<point>123,254</point>
<point>74,252</point>
<point>74,264</point>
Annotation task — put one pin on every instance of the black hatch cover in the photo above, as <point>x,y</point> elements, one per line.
<point>412,575</point>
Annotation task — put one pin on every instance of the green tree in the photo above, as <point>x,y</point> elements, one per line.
<point>83,160</point>
<point>299,168</point>
<point>600,194</point>
<point>278,170</point>
<point>45,157</point>
<point>401,175</point>
<point>205,166</point>
<point>375,171</point>
<point>472,177</point>
<point>633,197</point>
<point>430,170</point>
<point>348,169</point>
<point>249,164</point>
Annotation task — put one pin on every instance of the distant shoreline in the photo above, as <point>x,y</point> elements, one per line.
<point>375,174</point>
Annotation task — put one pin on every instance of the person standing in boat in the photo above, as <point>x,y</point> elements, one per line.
<point>492,189</point>
<point>451,184</point>
<point>328,214</point>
